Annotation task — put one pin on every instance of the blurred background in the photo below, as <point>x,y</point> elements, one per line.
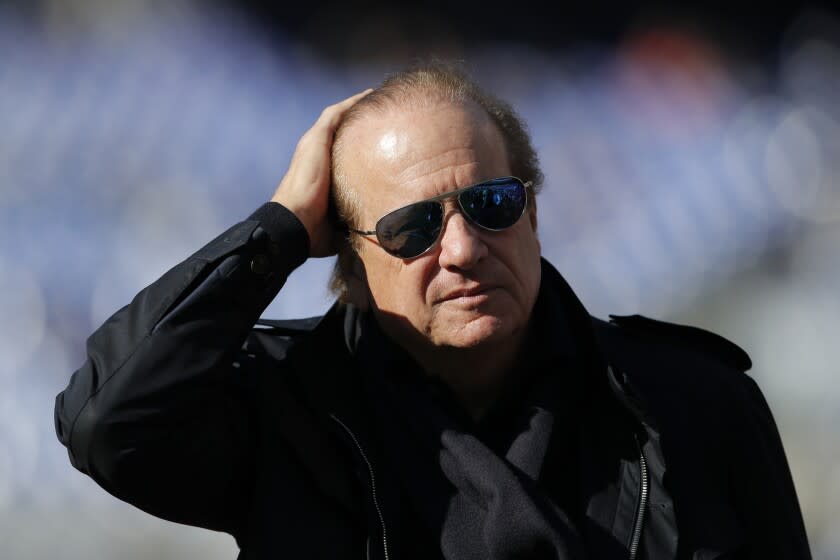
<point>692,163</point>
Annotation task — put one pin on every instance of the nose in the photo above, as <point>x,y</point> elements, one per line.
<point>461,244</point>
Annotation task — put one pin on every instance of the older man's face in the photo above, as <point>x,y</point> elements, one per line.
<point>408,155</point>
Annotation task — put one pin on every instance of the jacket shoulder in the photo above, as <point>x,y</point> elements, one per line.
<point>688,337</point>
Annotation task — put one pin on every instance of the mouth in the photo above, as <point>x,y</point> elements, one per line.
<point>469,294</point>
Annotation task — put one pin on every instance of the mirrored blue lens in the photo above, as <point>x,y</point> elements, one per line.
<point>495,205</point>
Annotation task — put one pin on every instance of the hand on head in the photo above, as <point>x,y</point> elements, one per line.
<point>305,189</point>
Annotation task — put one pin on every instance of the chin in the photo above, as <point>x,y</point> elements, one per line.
<point>476,332</point>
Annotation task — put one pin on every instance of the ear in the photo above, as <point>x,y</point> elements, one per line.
<point>355,278</point>
<point>532,214</point>
<point>532,218</point>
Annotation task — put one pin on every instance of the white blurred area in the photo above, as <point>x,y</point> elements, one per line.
<point>683,181</point>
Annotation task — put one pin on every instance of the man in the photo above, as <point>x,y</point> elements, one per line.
<point>457,401</point>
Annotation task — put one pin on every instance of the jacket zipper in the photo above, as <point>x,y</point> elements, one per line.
<point>372,482</point>
<point>643,498</point>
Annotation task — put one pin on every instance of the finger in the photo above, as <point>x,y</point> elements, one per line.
<point>350,101</point>
<point>331,115</point>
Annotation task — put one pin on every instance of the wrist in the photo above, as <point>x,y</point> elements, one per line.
<point>283,226</point>
<point>300,213</point>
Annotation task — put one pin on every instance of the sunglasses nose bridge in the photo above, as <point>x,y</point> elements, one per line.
<point>451,208</point>
<point>459,233</point>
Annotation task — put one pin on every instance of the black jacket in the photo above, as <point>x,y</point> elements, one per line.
<point>193,410</point>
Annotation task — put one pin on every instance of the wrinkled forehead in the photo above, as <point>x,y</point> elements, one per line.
<point>404,154</point>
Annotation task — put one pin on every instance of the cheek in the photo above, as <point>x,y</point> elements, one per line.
<point>532,264</point>
<point>394,286</point>
<point>518,244</point>
<point>521,253</point>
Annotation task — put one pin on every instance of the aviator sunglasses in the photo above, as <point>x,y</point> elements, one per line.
<point>412,230</point>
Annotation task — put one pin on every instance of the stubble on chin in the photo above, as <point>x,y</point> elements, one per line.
<point>465,328</point>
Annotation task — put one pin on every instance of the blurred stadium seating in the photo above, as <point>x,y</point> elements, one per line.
<point>685,179</point>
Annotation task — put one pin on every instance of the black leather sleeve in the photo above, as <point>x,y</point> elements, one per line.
<point>157,414</point>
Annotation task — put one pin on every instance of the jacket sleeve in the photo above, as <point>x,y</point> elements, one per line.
<point>765,497</point>
<point>157,415</point>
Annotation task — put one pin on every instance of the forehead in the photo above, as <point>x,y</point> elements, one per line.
<point>405,154</point>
